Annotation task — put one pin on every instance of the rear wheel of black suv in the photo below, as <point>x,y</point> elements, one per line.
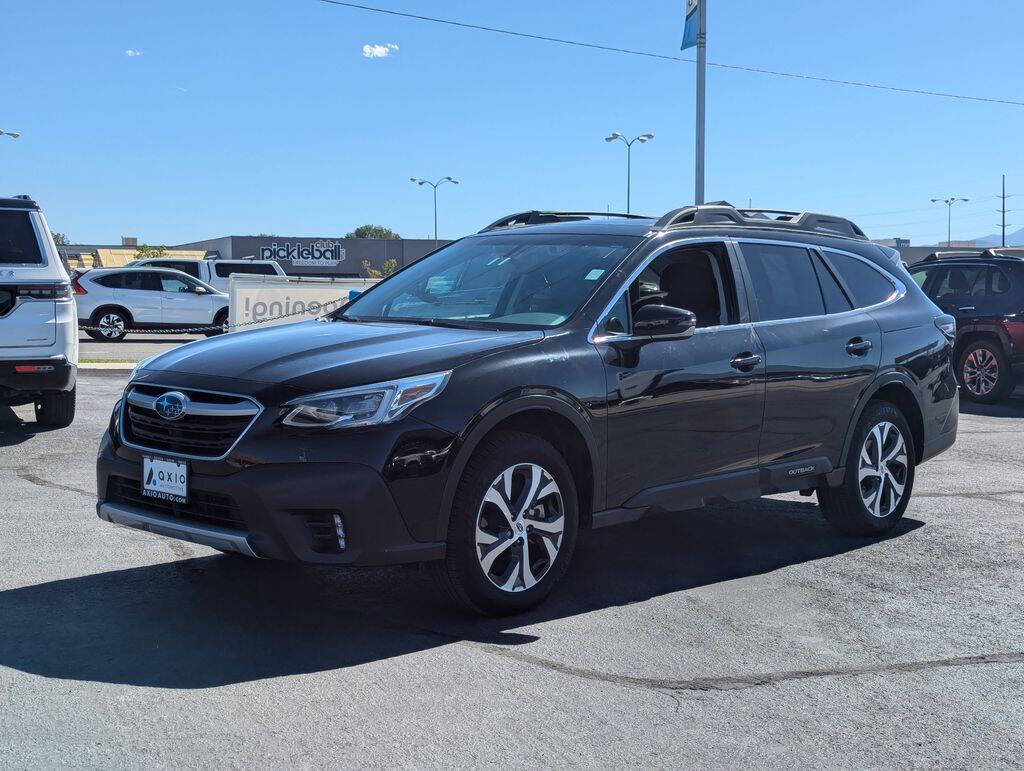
<point>513,526</point>
<point>879,475</point>
<point>984,372</point>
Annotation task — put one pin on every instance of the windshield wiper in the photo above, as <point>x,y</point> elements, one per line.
<point>427,322</point>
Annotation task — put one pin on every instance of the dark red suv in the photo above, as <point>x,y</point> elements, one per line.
<point>984,291</point>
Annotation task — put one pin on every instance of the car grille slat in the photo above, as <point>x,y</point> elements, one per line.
<point>202,507</point>
<point>199,436</point>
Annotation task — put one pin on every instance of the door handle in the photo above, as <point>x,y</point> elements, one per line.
<point>858,346</point>
<point>745,361</point>
<point>966,308</point>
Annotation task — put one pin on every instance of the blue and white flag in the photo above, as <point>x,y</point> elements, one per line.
<point>692,22</point>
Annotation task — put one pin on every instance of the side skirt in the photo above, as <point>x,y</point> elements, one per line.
<point>734,486</point>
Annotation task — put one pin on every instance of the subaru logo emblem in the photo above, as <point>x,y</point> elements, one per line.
<point>171,405</point>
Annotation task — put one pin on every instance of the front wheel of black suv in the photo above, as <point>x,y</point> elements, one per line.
<point>984,372</point>
<point>879,475</point>
<point>513,525</point>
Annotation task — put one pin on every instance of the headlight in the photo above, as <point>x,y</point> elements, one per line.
<point>364,405</point>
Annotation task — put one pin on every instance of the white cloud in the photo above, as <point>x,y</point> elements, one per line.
<point>379,51</point>
<point>132,52</point>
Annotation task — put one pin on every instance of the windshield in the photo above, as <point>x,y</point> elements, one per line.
<point>513,281</point>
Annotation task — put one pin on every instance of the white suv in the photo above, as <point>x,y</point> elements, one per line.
<point>38,329</point>
<point>113,300</point>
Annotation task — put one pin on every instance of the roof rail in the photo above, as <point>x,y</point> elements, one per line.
<point>722,213</point>
<point>992,253</point>
<point>538,217</point>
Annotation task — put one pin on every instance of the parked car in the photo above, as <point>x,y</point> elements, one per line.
<point>112,301</point>
<point>556,371</point>
<point>984,291</point>
<point>38,335</point>
<point>216,273</point>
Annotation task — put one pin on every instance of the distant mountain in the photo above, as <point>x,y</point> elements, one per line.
<point>1012,239</point>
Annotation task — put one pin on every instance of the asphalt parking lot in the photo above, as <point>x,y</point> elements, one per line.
<point>133,347</point>
<point>743,635</point>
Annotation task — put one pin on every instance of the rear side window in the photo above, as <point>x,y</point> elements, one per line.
<point>784,282</point>
<point>141,279</point>
<point>223,271</point>
<point>836,300</point>
<point>868,285</point>
<point>186,266</point>
<point>115,281</point>
<point>999,282</point>
<point>18,244</point>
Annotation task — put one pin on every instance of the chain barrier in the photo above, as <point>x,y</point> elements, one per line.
<point>212,327</point>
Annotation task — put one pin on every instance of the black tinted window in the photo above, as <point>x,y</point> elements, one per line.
<point>18,245</point>
<point>869,287</point>
<point>785,285</point>
<point>113,282</point>
<point>836,300</point>
<point>999,282</point>
<point>958,281</point>
<point>226,270</point>
<point>141,279</point>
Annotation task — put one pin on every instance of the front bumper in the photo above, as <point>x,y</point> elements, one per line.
<point>281,511</point>
<point>57,374</point>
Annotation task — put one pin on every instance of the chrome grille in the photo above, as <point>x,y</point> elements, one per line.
<point>210,426</point>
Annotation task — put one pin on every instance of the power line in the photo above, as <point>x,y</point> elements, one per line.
<point>652,55</point>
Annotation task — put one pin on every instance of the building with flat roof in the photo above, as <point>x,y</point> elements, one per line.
<point>318,256</point>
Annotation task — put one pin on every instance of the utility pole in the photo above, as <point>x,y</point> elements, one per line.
<point>702,66</point>
<point>1002,211</point>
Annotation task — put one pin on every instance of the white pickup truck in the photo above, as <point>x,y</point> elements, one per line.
<point>216,273</point>
<point>38,322</point>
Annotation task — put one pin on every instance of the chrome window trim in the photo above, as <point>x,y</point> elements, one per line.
<point>128,396</point>
<point>899,286</point>
<point>593,337</point>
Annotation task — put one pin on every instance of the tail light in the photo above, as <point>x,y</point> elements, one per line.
<point>946,324</point>
<point>61,291</point>
<point>77,288</point>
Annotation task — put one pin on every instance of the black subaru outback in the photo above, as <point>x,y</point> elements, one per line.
<point>556,371</point>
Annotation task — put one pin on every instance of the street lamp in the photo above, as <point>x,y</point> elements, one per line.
<point>949,213</point>
<point>434,185</point>
<point>11,134</point>
<point>629,148</point>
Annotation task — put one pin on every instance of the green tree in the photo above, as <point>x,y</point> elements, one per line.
<point>372,231</point>
<point>145,251</point>
<point>61,239</point>
<point>386,269</point>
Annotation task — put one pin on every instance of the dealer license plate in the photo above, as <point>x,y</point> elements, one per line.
<point>165,479</point>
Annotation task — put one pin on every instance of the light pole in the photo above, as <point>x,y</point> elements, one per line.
<point>629,160</point>
<point>949,213</point>
<point>434,185</point>
<point>11,134</point>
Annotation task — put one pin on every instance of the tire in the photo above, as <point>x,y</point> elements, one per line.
<point>112,324</point>
<point>56,409</point>
<point>483,567</point>
<point>220,320</point>
<point>851,507</point>
<point>984,372</point>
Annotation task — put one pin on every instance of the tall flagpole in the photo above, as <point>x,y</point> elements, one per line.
<point>702,64</point>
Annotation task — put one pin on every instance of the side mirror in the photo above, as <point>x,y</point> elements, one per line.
<point>200,290</point>
<point>663,321</point>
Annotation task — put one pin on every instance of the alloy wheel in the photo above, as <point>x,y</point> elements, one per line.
<point>111,325</point>
<point>519,527</point>
<point>981,371</point>
<point>883,469</point>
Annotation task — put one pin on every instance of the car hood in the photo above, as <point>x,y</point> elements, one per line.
<point>324,355</point>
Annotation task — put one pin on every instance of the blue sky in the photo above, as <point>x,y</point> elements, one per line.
<point>265,116</point>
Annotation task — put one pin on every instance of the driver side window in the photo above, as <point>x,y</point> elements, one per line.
<point>697,278</point>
